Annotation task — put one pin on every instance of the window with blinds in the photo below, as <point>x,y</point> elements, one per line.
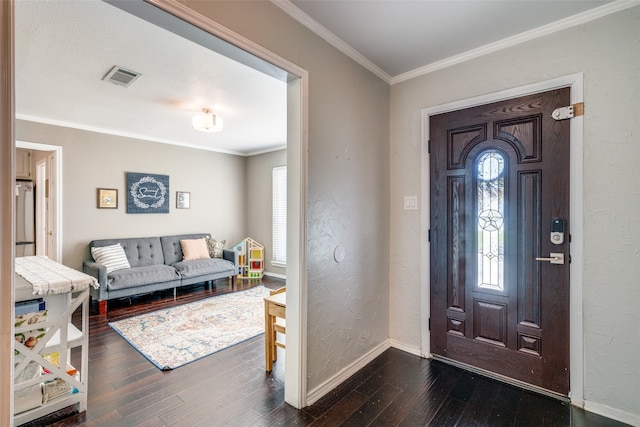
<point>279,184</point>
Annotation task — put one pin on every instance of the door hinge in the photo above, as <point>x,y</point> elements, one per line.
<point>429,235</point>
<point>429,146</point>
<point>429,326</point>
<point>568,112</point>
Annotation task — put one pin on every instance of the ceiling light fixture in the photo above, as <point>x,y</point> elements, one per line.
<point>207,121</point>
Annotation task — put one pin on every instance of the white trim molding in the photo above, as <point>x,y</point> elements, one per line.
<point>62,123</point>
<point>613,413</point>
<point>562,24</point>
<point>7,208</point>
<point>406,348</point>
<point>346,372</point>
<point>331,38</point>
<point>115,132</point>
<point>297,141</point>
<point>545,30</point>
<point>276,275</point>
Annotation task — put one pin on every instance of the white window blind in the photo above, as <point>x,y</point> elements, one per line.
<point>279,184</point>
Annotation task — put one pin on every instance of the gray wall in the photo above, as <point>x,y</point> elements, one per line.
<point>259,203</point>
<point>91,160</point>
<point>348,186</point>
<point>608,52</point>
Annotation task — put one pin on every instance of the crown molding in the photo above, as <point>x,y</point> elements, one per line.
<point>563,24</point>
<point>79,126</point>
<point>572,21</point>
<point>331,38</point>
<point>71,125</point>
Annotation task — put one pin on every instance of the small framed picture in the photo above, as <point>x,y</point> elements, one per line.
<point>107,198</point>
<point>183,200</point>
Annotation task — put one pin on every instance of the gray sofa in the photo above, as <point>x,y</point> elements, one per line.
<point>156,264</point>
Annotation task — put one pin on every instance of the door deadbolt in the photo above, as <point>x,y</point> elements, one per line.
<point>554,258</point>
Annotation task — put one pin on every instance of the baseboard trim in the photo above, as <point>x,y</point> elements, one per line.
<point>613,413</point>
<point>406,348</point>
<point>333,382</point>
<point>324,388</point>
<point>276,275</point>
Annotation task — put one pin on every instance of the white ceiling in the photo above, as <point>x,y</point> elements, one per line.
<point>64,49</point>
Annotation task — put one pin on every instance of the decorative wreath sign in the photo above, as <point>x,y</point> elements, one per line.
<point>147,193</point>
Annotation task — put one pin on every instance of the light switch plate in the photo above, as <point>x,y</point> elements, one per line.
<point>410,203</point>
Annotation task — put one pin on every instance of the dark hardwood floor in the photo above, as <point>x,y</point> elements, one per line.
<point>231,388</point>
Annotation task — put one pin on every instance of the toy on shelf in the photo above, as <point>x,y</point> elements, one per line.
<point>250,259</point>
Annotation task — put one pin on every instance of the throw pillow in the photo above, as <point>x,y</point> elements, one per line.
<point>112,257</point>
<point>194,249</point>
<point>215,247</point>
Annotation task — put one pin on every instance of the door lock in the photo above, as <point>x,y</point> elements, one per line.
<point>554,258</point>
<point>557,231</point>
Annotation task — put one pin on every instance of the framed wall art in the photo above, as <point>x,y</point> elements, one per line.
<point>183,200</point>
<point>147,193</point>
<point>107,198</point>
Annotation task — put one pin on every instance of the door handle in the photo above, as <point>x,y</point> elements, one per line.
<point>554,258</point>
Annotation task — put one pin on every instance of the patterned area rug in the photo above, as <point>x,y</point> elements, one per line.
<point>175,336</point>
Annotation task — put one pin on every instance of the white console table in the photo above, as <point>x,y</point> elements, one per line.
<point>61,336</point>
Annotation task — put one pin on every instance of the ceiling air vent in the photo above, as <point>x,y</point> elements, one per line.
<point>121,76</point>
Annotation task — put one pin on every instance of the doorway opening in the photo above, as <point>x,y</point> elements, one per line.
<point>48,206</point>
<point>297,89</point>
<point>181,20</point>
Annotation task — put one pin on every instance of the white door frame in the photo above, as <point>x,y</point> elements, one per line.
<point>41,207</point>
<point>55,192</point>
<point>297,136</point>
<point>54,205</point>
<point>576,345</point>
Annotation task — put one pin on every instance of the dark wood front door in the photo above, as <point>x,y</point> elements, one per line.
<point>499,179</point>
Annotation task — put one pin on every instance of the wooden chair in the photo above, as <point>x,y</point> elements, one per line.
<point>280,326</point>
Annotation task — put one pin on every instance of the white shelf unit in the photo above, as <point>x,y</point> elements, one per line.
<point>61,336</point>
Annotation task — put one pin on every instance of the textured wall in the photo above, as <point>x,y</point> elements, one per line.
<point>348,186</point>
<point>608,52</point>
<point>91,160</point>
<point>259,202</point>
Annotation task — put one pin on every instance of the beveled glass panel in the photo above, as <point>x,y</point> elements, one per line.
<point>457,250</point>
<point>490,231</point>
